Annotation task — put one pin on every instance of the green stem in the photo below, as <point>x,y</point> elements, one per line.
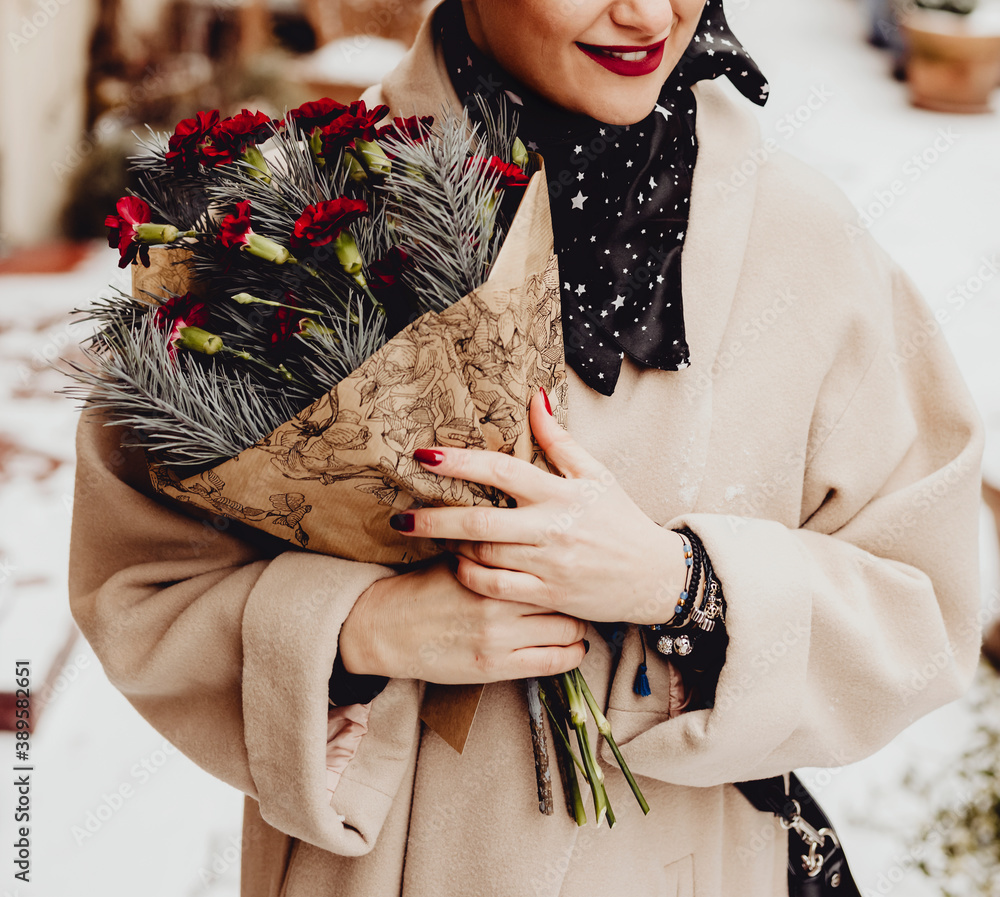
<point>578,718</point>
<point>334,287</point>
<point>567,764</point>
<point>558,727</point>
<point>576,796</point>
<point>247,299</point>
<point>281,371</point>
<point>604,727</point>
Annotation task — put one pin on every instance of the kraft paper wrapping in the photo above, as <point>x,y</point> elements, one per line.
<point>329,479</point>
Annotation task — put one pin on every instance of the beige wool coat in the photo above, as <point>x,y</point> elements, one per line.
<point>822,444</point>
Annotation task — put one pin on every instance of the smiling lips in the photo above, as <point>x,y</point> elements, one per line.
<point>629,61</point>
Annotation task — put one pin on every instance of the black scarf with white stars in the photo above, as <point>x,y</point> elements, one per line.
<point>620,196</point>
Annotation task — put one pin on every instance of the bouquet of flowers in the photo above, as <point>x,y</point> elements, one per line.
<point>314,299</point>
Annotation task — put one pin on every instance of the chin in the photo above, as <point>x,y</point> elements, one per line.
<point>619,110</point>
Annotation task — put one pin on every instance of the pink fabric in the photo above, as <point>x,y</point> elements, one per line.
<point>345,728</point>
<point>680,697</point>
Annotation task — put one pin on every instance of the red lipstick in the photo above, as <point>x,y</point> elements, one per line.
<point>639,60</point>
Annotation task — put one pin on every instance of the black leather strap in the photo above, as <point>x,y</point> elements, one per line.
<point>834,878</point>
<point>768,796</point>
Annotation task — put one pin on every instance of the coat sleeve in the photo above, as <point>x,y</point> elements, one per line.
<point>846,629</point>
<point>226,648</point>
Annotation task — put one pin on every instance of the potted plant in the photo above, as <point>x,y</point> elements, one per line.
<point>953,55</point>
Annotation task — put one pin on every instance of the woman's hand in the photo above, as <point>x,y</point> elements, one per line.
<point>576,544</point>
<point>427,625</point>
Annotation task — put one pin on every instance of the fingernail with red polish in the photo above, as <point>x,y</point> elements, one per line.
<point>402,523</point>
<point>545,395</point>
<point>430,457</point>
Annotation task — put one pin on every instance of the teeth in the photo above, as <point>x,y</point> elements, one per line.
<point>630,57</point>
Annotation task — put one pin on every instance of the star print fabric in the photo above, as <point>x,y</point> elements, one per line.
<point>619,196</point>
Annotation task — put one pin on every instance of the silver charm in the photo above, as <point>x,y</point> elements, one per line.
<point>665,645</point>
<point>683,646</point>
<point>704,619</point>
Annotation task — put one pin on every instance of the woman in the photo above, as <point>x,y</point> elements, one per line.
<point>782,400</point>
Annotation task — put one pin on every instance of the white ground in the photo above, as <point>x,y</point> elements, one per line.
<point>115,814</point>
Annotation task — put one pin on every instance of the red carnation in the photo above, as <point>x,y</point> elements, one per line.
<point>386,272</point>
<point>183,311</point>
<point>121,234</point>
<point>396,298</point>
<point>231,137</point>
<point>286,322</point>
<point>235,230</point>
<point>412,128</point>
<point>507,174</point>
<point>316,114</point>
<point>189,138</point>
<point>177,313</point>
<point>357,122</point>
<point>321,224</point>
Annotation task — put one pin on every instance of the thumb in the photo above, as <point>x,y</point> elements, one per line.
<point>562,450</point>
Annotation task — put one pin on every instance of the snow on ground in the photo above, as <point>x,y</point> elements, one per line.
<point>116,811</point>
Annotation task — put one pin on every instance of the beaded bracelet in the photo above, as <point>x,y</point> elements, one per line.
<point>691,620</point>
<point>712,608</point>
<point>694,558</point>
<point>702,622</point>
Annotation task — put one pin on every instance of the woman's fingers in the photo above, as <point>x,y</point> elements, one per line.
<point>512,646</point>
<point>514,476</point>
<point>479,524</point>
<point>540,662</point>
<point>560,448</point>
<point>496,581</point>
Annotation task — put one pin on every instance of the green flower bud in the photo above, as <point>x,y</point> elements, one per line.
<point>157,233</point>
<point>267,249</point>
<point>316,147</point>
<point>258,164</point>
<point>314,328</point>
<point>198,340</point>
<point>366,159</point>
<point>355,170</point>
<point>349,256</point>
<point>374,157</point>
<point>519,155</point>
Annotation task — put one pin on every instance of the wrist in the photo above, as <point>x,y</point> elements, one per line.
<point>667,582</point>
<point>357,648</point>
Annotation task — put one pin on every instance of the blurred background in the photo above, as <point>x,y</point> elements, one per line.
<point>895,101</point>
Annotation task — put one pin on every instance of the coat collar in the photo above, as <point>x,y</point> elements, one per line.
<point>728,136</point>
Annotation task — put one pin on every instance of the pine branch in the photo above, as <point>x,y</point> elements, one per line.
<point>334,354</point>
<point>444,217</point>
<point>188,411</point>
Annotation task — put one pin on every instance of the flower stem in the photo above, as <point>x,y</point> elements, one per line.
<point>604,727</point>
<point>578,719</point>
<point>281,370</point>
<point>558,726</point>
<point>567,763</point>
